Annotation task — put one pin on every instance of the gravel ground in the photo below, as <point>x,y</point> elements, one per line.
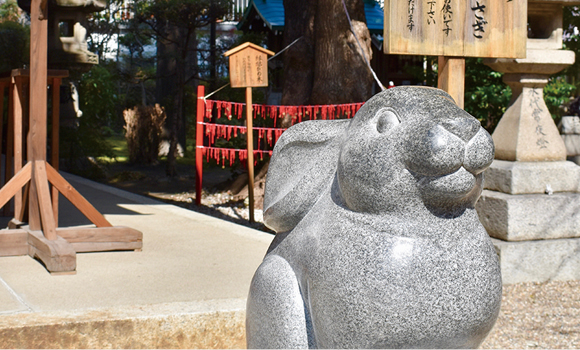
<point>538,316</point>
<point>532,316</point>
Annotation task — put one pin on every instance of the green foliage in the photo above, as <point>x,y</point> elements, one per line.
<point>9,11</point>
<point>135,39</point>
<point>563,85</point>
<point>82,146</point>
<point>81,149</point>
<point>98,96</point>
<point>107,23</point>
<point>571,38</point>
<point>137,69</point>
<point>118,147</point>
<point>557,94</point>
<point>14,45</point>
<point>175,22</point>
<point>134,70</point>
<point>486,95</point>
<point>427,76</point>
<point>180,13</point>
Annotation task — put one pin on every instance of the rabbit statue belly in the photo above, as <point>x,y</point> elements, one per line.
<point>378,244</point>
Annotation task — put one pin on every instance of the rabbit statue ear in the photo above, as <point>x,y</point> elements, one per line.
<point>303,164</point>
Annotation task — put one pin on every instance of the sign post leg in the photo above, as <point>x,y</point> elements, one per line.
<point>250,138</point>
<point>451,77</point>
<point>199,144</point>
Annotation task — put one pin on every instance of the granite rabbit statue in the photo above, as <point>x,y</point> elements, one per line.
<point>378,244</point>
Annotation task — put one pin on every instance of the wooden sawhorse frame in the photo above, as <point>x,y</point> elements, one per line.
<point>55,247</point>
<point>17,81</point>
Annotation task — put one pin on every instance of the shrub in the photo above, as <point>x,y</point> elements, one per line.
<point>143,128</point>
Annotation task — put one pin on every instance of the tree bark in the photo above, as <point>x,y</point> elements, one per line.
<point>299,59</point>
<point>169,88</point>
<point>327,65</point>
<point>167,54</point>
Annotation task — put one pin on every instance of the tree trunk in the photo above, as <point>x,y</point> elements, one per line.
<point>177,123</point>
<point>299,24</point>
<point>167,54</point>
<point>170,88</point>
<point>326,66</point>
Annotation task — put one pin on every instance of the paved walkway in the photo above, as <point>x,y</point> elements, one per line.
<point>193,268</point>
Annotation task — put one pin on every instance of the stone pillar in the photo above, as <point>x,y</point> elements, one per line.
<point>531,204</point>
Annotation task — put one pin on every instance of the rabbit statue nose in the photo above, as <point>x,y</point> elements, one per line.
<point>462,127</point>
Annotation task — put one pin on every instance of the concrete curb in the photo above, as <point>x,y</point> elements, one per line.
<point>205,324</point>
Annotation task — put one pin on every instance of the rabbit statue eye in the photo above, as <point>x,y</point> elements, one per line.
<point>386,119</point>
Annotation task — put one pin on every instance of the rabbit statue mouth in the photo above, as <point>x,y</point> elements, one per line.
<point>449,195</point>
<point>456,185</point>
<point>452,176</point>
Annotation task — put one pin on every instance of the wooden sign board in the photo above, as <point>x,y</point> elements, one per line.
<point>462,28</point>
<point>248,65</point>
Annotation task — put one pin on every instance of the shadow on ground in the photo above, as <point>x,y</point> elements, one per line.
<point>151,181</point>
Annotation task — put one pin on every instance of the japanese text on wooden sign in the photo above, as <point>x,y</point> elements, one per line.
<point>463,28</point>
<point>249,68</point>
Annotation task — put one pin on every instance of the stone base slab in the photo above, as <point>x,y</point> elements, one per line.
<point>202,325</point>
<point>525,217</point>
<point>532,177</point>
<point>539,261</point>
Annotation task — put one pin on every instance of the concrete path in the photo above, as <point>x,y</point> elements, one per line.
<point>186,289</point>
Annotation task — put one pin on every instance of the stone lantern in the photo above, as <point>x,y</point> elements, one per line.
<point>526,132</point>
<point>68,48</point>
<point>531,204</point>
<point>67,35</point>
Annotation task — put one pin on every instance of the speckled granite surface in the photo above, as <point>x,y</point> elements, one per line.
<point>378,243</point>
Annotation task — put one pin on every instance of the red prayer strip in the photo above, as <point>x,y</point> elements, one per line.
<point>229,154</point>
<point>269,135</point>
<point>214,131</point>
<point>298,113</point>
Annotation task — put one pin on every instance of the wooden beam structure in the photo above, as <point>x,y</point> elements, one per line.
<point>41,238</point>
<point>451,77</point>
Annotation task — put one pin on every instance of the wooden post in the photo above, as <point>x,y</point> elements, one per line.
<point>18,131</point>
<point>451,77</point>
<point>2,165</point>
<point>9,160</point>
<point>38,79</point>
<point>250,139</point>
<point>199,143</point>
<point>44,206</point>
<point>55,140</point>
